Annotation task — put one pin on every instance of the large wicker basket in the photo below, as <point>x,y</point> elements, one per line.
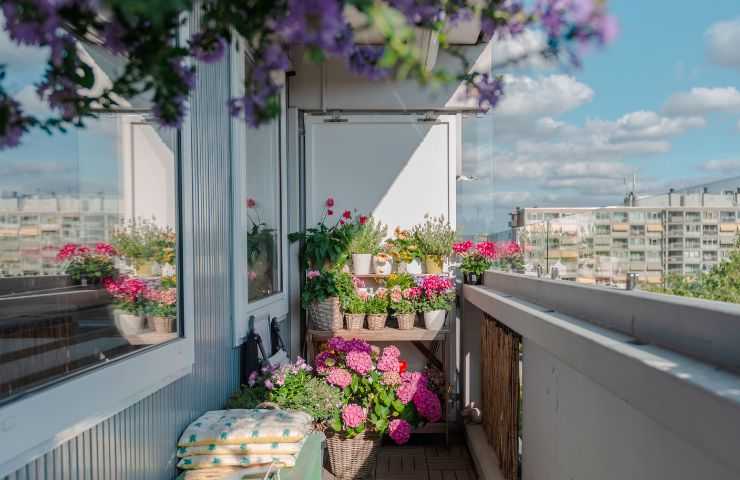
<point>376,321</point>
<point>351,458</point>
<point>406,320</point>
<point>326,314</point>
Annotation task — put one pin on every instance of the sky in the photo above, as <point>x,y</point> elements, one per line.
<point>662,104</point>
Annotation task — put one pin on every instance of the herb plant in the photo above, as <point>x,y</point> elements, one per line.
<point>368,235</point>
<point>435,236</point>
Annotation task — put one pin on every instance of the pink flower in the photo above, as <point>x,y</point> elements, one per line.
<point>427,403</point>
<point>323,362</point>
<point>487,249</point>
<point>353,415</point>
<point>381,292</point>
<point>105,249</point>
<point>339,377</point>
<point>396,294</point>
<point>363,295</point>
<point>269,385</point>
<point>410,383</point>
<point>363,219</point>
<point>412,293</point>
<point>66,251</point>
<point>313,274</point>
<point>346,214</point>
<point>251,202</point>
<point>358,282</point>
<point>387,363</point>
<point>462,247</point>
<point>252,276</point>
<point>391,351</point>
<point>252,378</point>
<point>360,362</point>
<point>330,212</point>
<point>399,430</point>
<point>330,202</point>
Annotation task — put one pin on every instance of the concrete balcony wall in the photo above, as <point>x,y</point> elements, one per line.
<point>616,385</point>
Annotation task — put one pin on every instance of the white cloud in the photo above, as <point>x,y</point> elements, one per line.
<point>726,166</point>
<point>645,125</point>
<point>700,101</point>
<point>546,96</point>
<point>521,50</point>
<point>722,42</point>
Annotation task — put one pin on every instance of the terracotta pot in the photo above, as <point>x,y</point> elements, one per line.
<point>162,324</point>
<point>435,319</point>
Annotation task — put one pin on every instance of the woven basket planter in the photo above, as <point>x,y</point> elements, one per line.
<point>406,320</point>
<point>354,321</point>
<point>376,321</point>
<point>326,314</point>
<point>351,458</point>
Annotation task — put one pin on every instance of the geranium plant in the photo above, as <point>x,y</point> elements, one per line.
<point>377,303</point>
<point>437,293</point>
<point>327,244</point>
<point>403,301</point>
<point>160,302</point>
<point>127,293</point>
<point>378,395</point>
<point>476,258</point>
<point>509,256</point>
<point>82,262</point>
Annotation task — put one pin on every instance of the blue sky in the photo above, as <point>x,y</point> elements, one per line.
<point>662,102</point>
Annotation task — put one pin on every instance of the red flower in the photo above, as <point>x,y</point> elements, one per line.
<point>330,202</point>
<point>251,203</point>
<point>347,214</point>
<point>363,219</point>
<point>341,222</point>
<point>403,365</point>
<point>330,212</point>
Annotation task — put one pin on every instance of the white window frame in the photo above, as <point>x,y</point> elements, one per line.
<point>40,421</point>
<point>276,305</point>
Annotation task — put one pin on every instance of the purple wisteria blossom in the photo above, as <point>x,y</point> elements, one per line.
<point>208,48</point>
<point>515,20</point>
<point>420,12</point>
<point>489,90</point>
<point>11,122</point>
<point>316,24</point>
<point>364,61</point>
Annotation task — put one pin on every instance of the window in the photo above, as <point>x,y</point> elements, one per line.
<point>710,229</point>
<point>693,243</point>
<point>675,229</point>
<point>653,254</point>
<point>692,254</point>
<point>675,242</point>
<point>655,242</point>
<point>693,217</point>
<point>727,217</point>
<point>637,242</point>
<point>709,242</point>
<point>692,268</point>
<point>88,254</point>
<point>619,216</point>
<point>696,228</point>
<point>637,256</point>
<point>551,216</point>
<point>710,215</point>
<point>602,230</point>
<point>654,216</point>
<point>602,215</point>
<point>637,230</point>
<point>637,216</point>
<point>619,243</point>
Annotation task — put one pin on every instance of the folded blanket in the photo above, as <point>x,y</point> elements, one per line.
<point>211,461</point>
<point>226,473</point>
<point>237,426</point>
<point>274,448</point>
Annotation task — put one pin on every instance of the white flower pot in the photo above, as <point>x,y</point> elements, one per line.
<point>435,319</point>
<point>361,263</point>
<point>382,268</point>
<point>128,323</point>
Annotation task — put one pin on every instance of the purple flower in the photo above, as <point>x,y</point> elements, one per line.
<point>489,90</point>
<point>269,385</point>
<point>113,35</point>
<point>363,60</point>
<point>399,430</point>
<point>315,23</point>
<point>419,12</point>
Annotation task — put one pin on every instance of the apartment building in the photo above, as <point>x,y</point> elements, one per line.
<point>682,233</point>
<point>34,227</point>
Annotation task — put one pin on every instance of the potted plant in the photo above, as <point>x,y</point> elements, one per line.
<point>437,297</point>
<point>377,309</point>
<point>326,245</point>
<point>160,305</point>
<point>365,243</point>
<point>146,246</point>
<point>476,259</point>
<point>321,297</point>
<point>509,257</point>
<point>88,265</point>
<point>355,308</point>
<point>403,304</point>
<point>128,304</point>
<point>403,280</point>
<point>261,251</point>
<point>435,238</point>
<point>378,397</point>
<point>382,263</point>
<point>402,247</point>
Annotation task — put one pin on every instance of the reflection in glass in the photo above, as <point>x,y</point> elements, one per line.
<point>263,212</point>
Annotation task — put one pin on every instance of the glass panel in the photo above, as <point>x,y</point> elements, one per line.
<point>87,243</point>
<point>263,212</point>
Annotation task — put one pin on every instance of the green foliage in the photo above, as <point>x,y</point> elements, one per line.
<point>377,304</point>
<point>403,306</point>
<point>475,263</point>
<point>353,304</point>
<point>143,240</point>
<point>368,236</point>
<point>307,393</point>
<point>92,267</point>
<point>247,397</point>
<point>329,283</point>
<point>402,247</point>
<point>435,236</point>
<point>721,283</point>
<point>324,246</point>
<point>402,280</point>
<point>443,301</point>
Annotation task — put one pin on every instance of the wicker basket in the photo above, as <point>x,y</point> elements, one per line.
<point>351,458</point>
<point>376,321</point>
<point>326,314</point>
<point>354,321</point>
<point>406,321</point>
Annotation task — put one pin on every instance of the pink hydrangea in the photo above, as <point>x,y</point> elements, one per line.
<point>427,404</point>
<point>353,415</point>
<point>339,377</point>
<point>388,363</point>
<point>399,430</point>
<point>391,378</point>
<point>360,362</point>
<point>391,351</point>
<point>410,382</point>
<point>323,362</point>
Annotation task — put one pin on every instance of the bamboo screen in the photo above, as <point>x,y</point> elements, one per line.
<point>500,387</point>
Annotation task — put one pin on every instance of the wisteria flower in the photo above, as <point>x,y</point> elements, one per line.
<point>353,415</point>
<point>339,377</point>
<point>399,430</point>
